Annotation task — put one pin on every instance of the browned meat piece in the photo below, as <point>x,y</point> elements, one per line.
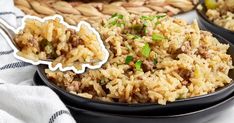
<point>147,65</point>
<point>76,41</point>
<point>185,73</point>
<point>203,51</point>
<point>185,48</point>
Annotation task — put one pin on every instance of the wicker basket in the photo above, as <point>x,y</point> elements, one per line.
<point>95,10</point>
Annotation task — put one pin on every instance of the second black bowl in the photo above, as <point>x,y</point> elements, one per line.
<point>209,25</point>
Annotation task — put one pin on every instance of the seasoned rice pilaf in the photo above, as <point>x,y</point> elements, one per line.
<point>222,15</point>
<point>54,41</point>
<point>153,58</point>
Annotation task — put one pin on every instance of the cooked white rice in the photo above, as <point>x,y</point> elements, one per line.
<point>51,40</point>
<point>222,16</point>
<point>153,59</point>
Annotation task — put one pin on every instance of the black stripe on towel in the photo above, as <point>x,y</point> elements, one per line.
<point>18,17</point>
<point>14,65</point>
<point>6,52</point>
<point>7,13</point>
<point>58,113</point>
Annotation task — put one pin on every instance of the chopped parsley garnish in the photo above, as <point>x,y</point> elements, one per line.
<point>113,22</point>
<point>128,59</point>
<point>138,65</point>
<point>131,36</point>
<point>117,20</point>
<point>157,37</point>
<point>155,61</point>
<point>120,16</point>
<point>137,27</point>
<point>136,37</point>
<point>145,31</point>
<point>145,24</point>
<point>152,17</point>
<point>120,24</point>
<point>161,16</point>
<point>145,50</point>
<point>157,23</point>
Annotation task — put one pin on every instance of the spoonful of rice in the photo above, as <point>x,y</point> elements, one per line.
<point>53,42</point>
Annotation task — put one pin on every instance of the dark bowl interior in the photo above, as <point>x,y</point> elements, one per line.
<point>209,25</point>
<point>179,106</point>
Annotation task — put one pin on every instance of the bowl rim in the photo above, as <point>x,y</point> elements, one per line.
<point>226,100</point>
<point>53,85</point>
<point>204,17</point>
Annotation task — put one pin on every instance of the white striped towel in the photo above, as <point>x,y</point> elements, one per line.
<point>20,102</point>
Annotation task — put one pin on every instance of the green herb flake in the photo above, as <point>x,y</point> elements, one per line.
<point>131,36</point>
<point>160,16</point>
<point>145,51</point>
<point>137,27</point>
<point>137,37</point>
<point>128,59</point>
<point>157,23</point>
<point>113,22</point>
<point>138,65</point>
<point>155,61</point>
<point>144,17</point>
<point>152,17</point>
<point>157,37</point>
<point>120,24</point>
<point>114,15</point>
<point>120,16</point>
<point>145,24</point>
<point>145,31</point>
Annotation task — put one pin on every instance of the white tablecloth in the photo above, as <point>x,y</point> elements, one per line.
<point>19,101</point>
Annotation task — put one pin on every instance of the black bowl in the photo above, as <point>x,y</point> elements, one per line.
<point>209,25</point>
<point>201,115</point>
<point>179,106</point>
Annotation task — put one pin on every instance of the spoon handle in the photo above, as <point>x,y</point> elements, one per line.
<point>10,33</point>
<point>8,30</point>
